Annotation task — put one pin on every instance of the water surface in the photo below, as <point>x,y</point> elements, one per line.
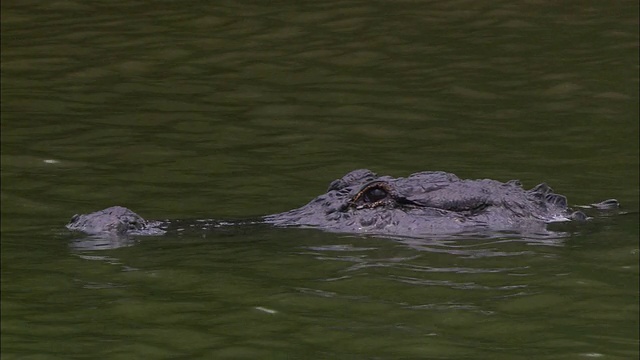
<point>238,109</point>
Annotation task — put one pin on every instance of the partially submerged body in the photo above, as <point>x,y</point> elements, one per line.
<point>425,203</point>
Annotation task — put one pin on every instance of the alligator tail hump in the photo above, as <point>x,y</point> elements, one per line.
<point>609,204</point>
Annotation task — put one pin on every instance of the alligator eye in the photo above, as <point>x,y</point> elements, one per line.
<point>374,194</point>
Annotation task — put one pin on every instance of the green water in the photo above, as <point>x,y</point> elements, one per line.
<point>238,109</point>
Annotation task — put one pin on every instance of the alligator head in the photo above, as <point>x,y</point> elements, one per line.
<point>427,203</point>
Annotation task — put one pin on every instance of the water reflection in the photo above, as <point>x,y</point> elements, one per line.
<point>101,242</point>
<point>472,246</point>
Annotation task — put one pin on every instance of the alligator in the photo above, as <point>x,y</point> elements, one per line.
<point>424,203</point>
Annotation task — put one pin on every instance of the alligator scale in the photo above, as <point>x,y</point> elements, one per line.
<point>425,203</point>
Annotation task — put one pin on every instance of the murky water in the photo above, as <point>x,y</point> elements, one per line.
<point>238,109</point>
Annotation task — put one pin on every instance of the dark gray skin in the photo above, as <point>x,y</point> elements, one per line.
<point>425,203</point>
